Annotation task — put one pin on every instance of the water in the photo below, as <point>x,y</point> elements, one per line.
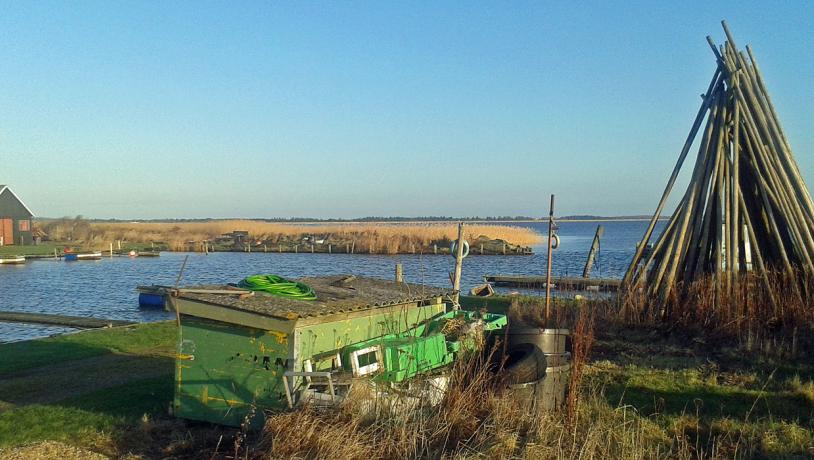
<point>106,288</point>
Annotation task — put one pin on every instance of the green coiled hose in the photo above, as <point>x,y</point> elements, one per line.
<point>279,286</point>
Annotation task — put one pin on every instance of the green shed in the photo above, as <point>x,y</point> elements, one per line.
<point>15,219</point>
<point>238,353</point>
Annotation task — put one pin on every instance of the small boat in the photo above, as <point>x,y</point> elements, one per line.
<point>12,260</point>
<point>72,256</point>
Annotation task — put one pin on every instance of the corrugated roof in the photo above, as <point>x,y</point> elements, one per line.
<point>335,294</point>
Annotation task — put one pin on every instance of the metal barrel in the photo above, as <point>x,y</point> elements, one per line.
<point>547,340</point>
<point>548,391</point>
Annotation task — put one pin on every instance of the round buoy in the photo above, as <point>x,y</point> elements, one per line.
<point>454,246</point>
<point>132,253</point>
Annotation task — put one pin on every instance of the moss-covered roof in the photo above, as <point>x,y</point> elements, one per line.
<point>335,294</point>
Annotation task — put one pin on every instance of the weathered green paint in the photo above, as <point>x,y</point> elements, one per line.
<point>231,361</point>
<point>329,336</point>
<point>222,371</point>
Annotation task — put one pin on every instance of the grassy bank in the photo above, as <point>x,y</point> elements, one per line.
<point>376,238</point>
<point>647,394</point>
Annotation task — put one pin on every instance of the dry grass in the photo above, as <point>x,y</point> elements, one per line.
<point>382,238</point>
<point>774,316</point>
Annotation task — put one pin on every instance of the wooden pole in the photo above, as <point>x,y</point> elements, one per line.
<point>586,272</point>
<point>399,273</point>
<point>548,268</point>
<point>175,291</point>
<point>459,259</point>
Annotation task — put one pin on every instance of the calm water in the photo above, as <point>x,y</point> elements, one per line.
<point>106,288</point>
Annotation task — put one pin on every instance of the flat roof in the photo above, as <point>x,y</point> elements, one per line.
<point>335,294</point>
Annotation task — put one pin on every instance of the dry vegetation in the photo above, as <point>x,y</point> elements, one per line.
<point>385,238</point>
<point>774,315</point>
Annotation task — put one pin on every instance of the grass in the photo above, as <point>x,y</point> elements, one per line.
<point>647,393</point>
<point>383,238</point>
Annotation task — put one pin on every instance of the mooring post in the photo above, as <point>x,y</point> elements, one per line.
<point>600,230</point>
<point>329,248</point>
<point>399,273</point>
<point>459,258</point>
<point>111,249</point>
<point>548,269</point>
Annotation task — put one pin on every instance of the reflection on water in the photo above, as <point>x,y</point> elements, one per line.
<point>106,288</point>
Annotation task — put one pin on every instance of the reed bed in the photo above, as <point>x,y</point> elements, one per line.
<point>771,312</point>
<point>385,238</point>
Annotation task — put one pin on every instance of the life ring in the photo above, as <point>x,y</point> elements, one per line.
<point>453,247</point>
<point>555,241</point>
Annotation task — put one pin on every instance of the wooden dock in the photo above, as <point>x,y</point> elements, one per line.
<point>60,320</point>
<point>559,283</point>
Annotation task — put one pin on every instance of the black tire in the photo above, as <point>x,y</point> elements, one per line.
<point>525,363</point>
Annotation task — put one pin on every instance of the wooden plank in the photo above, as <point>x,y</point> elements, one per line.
<point>561,283</point>
<point>60,320</point>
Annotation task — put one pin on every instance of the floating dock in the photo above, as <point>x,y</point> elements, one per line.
<point>60,320</point>
<point>559,283</point>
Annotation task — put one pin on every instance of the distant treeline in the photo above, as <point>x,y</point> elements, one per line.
<point>365,219</point>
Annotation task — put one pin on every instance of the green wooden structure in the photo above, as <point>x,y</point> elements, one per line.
<point>235,350</point>
<point>15,219</point>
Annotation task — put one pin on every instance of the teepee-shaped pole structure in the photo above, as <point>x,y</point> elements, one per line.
<point>746,207</point>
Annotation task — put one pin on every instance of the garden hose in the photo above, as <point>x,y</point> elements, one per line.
<point>279,286</point>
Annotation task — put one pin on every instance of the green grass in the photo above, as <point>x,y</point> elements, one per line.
<point>44,249</point>
<point>145,339</point>
<point>714,399</point>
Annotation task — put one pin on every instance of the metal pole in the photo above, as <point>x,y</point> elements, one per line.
<point>459,253</point>
<point>548,269</point>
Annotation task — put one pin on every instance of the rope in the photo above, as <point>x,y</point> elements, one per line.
<point>279,286</point>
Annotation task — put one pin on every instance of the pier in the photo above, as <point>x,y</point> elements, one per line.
<point>60,320</point>
<point>559,283</point>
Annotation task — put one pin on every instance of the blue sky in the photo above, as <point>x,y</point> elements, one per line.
<point>343,109</point>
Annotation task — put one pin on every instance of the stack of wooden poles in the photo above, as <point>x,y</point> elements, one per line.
<point>746,208</point>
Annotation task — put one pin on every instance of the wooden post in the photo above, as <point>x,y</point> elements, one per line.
<point>329,249</point>
<point>347,248</point>
<point>352,246</point>
<point>175,292</point>
<point>312,248</point>
<point>548,269</point>
<point>55,254</point>
<point>399,273</point>
<point>459,259</point>
<point>111,249</point>
<point>119,244</point>
<point>265,248</point>
<point>435,248</point>
<point>586,272</point>
<point>281,248</point>
<point>296,248</point>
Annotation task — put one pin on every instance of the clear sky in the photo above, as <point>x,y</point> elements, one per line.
<point>343,109</point>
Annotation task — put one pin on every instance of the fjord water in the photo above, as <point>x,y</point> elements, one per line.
<point>106,288</point>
